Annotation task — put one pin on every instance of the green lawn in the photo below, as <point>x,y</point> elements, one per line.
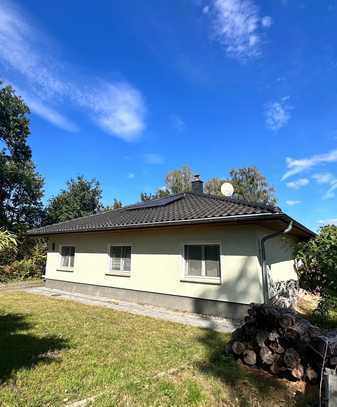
<point>55,352</point>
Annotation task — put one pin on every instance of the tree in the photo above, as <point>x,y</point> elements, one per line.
<point>179,180</point>
<point>161,193</point>
<point>213,186</point>
<point>316,265</point>
<point>116,205</point>
<point>21,187</point>
<point>250,185</point>
<point>81,197</point>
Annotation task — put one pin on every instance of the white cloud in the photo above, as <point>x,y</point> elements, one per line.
<point>292,203</point>
<point>117,107</point>
<point>331,221</point>
<point>46,112</point>
<point>302,182</point>
<point>296,166</point>
<point>331,191</point>
<point>278,114</point>
<point>324,178</point>
<point>153,158</point>
<point>237,24</point>
<point>131,175</point>
<point>266,21</point>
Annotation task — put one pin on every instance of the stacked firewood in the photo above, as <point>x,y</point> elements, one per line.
<point>283,343</point>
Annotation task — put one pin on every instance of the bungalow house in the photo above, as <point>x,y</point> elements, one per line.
<point>189,251</point>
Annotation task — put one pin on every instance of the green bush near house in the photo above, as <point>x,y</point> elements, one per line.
<point>21,261</point>
<point>316,264</point>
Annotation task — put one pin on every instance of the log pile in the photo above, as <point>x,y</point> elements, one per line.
<point>283,343</point>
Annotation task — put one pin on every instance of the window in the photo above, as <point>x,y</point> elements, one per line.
<point>120,259</point>
<point>67,257</point>
<point>202,261</point>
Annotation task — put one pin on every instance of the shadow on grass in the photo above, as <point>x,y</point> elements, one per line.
<point>22,350</point>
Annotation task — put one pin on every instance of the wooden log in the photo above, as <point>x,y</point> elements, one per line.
<point>298,372</point>
<point>261,337</point>
<point>311,374</point>
<point>238,347</point>
<point>286,321</point>
<point>273,336</point>
<point>291,358</point>
<point>276,347</point>
<point>266,355</point>
<point>249,357</point>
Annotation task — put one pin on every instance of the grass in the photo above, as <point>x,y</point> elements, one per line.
<point>54,352</point>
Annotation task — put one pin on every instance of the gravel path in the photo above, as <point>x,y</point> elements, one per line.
<point>214,323</point>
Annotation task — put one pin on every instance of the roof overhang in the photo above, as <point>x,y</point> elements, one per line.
<point>275,221</point>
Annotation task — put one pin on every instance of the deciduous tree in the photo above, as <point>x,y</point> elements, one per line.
<point>81,197</point>
<point>21,187</point>
<point>250,185</point>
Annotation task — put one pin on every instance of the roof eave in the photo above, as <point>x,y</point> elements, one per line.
<point>227,219</point>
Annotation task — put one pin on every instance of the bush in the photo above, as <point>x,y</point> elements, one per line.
<point>30,266</point>
<point>316,265</point>
<point>8,247</point>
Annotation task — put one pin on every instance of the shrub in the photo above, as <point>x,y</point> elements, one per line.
<point>29,263</point>
<point>316,265</point>
<point>8,246</point>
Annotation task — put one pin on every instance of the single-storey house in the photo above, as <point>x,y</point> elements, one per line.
<point>189,251</point>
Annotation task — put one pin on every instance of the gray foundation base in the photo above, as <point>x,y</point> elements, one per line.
<point>175,302</point>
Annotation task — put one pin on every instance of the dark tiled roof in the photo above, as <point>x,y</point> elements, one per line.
<point>177,209</point>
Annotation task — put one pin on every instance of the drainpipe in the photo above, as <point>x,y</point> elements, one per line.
<point>263,258</point>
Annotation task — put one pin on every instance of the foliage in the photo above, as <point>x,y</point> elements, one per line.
<point>21,187</point>
<point>81,197</point>
<point>179,180</point>
<point>8,245</point>
<point>31,265</point>
<point>316,265</point>
<point>14,125</point>
<point>213,186</point>
<point>250,185</point>
<point>117,204</point>
<point>176,181</point>
<point>161,193</point>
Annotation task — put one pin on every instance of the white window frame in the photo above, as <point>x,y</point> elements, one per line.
<point>203,279</point>
<point>118,273</point>
<point>64,268</point>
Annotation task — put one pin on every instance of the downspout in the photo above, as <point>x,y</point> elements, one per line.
<point>263,259</point>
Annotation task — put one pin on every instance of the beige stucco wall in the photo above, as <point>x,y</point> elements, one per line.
<point>280,256</point>
<point>157,263</point>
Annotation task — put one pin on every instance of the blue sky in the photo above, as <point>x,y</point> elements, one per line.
<point>125,91</point>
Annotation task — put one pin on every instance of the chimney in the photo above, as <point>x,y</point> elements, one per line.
<point>197,185</point>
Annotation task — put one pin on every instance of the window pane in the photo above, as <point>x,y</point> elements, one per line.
<point>193,256</point>
<point>126,253</point>
<point>115,253</point>
<point>67,256</point>
<point>212,261</point>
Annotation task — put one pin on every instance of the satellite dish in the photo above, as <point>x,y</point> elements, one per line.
<point>227,189</point>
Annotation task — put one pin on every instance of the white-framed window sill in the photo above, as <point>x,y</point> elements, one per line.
<point>201,280</point>
<point>70,270</point>
<point>119,273</point>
